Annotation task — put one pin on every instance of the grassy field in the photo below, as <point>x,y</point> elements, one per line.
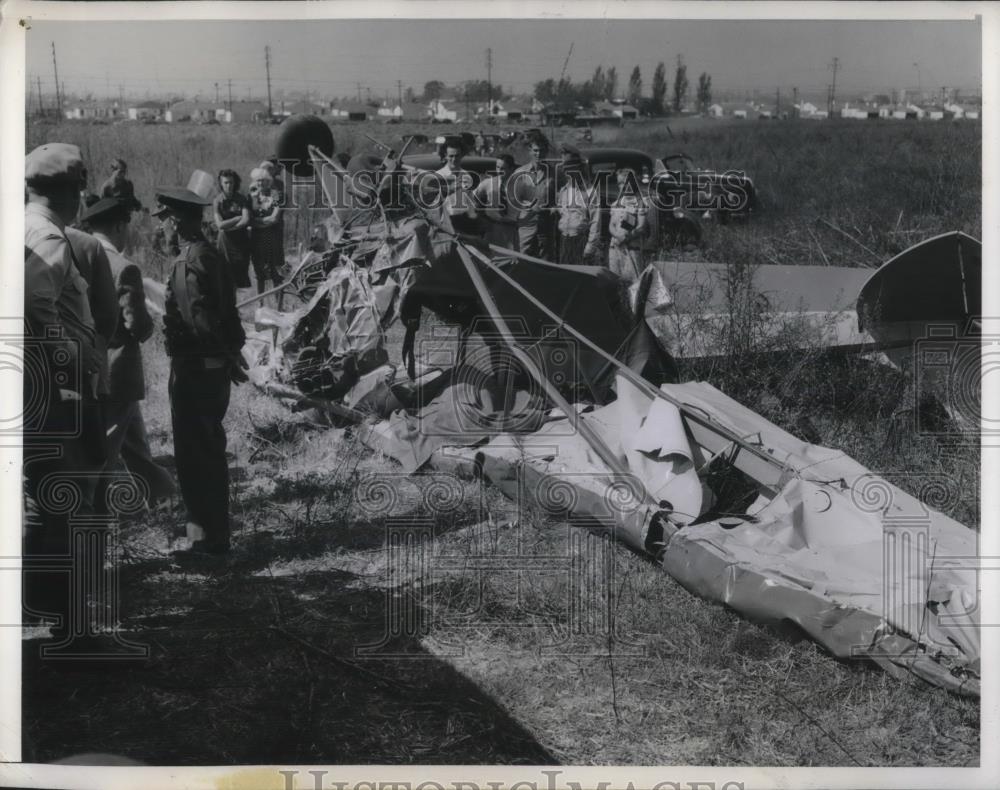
<point>257,662</point>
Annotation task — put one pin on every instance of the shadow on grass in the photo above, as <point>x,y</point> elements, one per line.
<point>248,670</point>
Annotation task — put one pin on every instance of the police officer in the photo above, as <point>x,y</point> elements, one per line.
<point>63,439</point>
<point>203,340</point>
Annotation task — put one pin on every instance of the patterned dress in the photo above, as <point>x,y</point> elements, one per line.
<point>234,245</point>
<point>267,244</point>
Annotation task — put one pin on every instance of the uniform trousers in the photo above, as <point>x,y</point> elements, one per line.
<point>199,398</point>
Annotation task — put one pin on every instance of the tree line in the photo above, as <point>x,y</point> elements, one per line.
<point>603,86</point>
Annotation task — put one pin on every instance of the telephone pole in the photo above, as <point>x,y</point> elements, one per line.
<point>833,88</point>
<point>489,81</point>
<point>216,93</point>
<point>55,68</point>
<point>777,102</point>
<point>359,93</point>
<point>41,108</point>
<point>399,90</point>
<point>795,101</point>
<point>230,108</point>
<point>267,66</point>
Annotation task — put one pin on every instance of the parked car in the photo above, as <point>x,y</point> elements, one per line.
<point>725,195</point>
<point>672,223</point>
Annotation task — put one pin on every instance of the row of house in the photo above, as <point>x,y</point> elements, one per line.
<point>438,110</point>
<point>810,111</point>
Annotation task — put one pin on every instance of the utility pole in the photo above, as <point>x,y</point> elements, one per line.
<point>230,108</point>
<point>399,91</point>
<point>833,88</point>
<point>489,81</point>
<point>777,102</point>
<point>795,101</point>
<point>267,66</point>
<point>216,93</point>
<point>944,93</point>
<point>41,108</point>
<point>359,93</point>
<point>121,97</point>
<point>55,68</point>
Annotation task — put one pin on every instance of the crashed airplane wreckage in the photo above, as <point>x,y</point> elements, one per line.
<point>572,403</point>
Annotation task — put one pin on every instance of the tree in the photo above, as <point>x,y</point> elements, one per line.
<point>680,85</point>
<point>597,86</point>
<point>635,87</point>
<point>433,90</point>
<point>545,91</point>
<point>611,83</point>
<point>704,92</point>
<point>659,88</point>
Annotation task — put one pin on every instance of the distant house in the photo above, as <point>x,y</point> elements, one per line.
<point>518,112</point>
<point>492,109</point>
<point>857,113</point>
<point>147,111</point>
<point>716,111</point>
<point>246,112</point>
<point>196,111</point>
<point>806,108</point>
<point>93,110</point>
<point>389,111</point>
<point>970,111</point>
<point>439,111</point>
<point>914,110</point>
<point>353,111</point>
<point>415,111</point>
<point>303,107</point>
<point>619,110</point>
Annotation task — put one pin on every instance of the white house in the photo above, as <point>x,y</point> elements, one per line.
<point>912,108</point>
<point>441,112</point>
<point>716,111</point>
<point>147,111</point>
<point>806,108</point>
<point>95,110</point>
<point>390,111</point>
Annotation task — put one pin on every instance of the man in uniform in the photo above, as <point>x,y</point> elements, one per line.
<point>63,440</point>
<point>579,211</point>
<point>534,191</point>
<point>203,339</point>
<point>127,441</point>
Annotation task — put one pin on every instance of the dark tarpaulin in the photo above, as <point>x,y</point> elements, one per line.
<point>591,299</point>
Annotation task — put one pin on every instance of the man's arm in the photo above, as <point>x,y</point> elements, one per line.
<point>135,321</point>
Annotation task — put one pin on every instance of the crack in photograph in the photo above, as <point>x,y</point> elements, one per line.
<point>532,391</point>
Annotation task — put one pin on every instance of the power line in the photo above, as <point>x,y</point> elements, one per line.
<point>267,66</point>
<point>55,67</point>
<point>833,88</point>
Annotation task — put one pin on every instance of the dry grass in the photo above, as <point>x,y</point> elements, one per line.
<point>256,662</point>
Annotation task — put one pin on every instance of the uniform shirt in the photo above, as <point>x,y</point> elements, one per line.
<point>92,260</point>
<point>56,295</point>
<point>579,211</point>
<point>134,326</point>
<point>628,215</point>
<point>459,180</point>
<point>200,316</point>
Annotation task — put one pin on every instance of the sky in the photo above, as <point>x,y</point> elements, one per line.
<point>330,57</point>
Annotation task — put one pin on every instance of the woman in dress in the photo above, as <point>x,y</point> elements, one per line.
<point>232,218</point>
<point>267,243</point>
